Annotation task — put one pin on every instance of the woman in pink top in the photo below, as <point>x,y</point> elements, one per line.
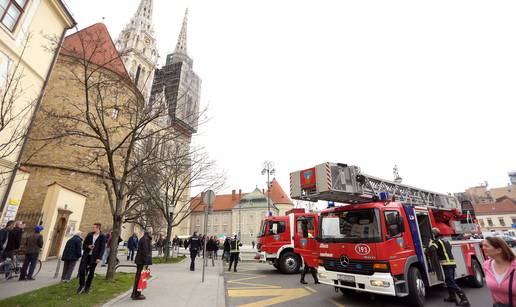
<point>498,269</point>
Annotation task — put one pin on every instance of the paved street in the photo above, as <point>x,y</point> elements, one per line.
<point>260,285</point>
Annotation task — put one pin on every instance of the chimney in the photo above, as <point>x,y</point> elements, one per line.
<point>233,195</point>
<point>239,193</point>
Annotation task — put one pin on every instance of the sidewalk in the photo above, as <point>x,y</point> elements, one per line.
<point>46,278</point>
<point>175,285</point>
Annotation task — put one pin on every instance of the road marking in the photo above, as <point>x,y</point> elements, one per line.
<point>310,289</point>
<point>280,295</point>
<point>241,281</point>
<point>335,303</point>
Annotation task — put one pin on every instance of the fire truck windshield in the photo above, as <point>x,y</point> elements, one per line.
<point>351,226</point>
<point>263,227</point>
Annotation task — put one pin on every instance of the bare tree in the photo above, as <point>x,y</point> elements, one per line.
<point>104,124</point>
<point>15,108</point>
<point>165,187</point>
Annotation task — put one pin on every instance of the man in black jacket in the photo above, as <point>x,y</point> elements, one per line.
<point>195,245</point>
<point>143,258</point>
<point>13,244</point>
<point>93,249</point>
<point>4,235</point>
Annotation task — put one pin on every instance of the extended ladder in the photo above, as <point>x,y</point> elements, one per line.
<point>346,184</point>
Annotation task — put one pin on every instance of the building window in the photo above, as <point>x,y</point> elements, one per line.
<point>481,221</point>
<point>489,222</point>
<point>225,230</point>
<point>513,218</point>
<point>502,221</point>
<point>198,221</point>
<point>11,11</point>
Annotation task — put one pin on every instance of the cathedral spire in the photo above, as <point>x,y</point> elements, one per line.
<point>180,54</point>
<point>181,40</point>
<point>144,12</point>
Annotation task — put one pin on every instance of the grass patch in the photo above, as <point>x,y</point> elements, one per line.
<point>159,260</point>
<point>64,294</point>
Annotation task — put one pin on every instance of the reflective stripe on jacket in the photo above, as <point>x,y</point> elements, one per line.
<point>443,250</point>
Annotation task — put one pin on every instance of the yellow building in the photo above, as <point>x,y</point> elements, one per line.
<point>25,65</point>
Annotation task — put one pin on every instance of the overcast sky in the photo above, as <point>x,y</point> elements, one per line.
<point>427,85</point>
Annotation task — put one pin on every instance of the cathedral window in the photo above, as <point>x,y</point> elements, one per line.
<point>11,12</point>
<point>137,76</point>
<point>114,113</point>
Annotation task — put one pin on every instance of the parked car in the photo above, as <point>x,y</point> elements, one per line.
<point>509,240</point>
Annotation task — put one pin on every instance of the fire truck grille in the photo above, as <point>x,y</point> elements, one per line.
<point>354,266</point>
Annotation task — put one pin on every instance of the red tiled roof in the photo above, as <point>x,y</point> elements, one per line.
<point>277,195</point>
<point>223,202</point>
<point>95,44</point>
<point>502,204</point>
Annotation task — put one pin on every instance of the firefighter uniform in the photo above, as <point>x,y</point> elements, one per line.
<point>195,246</point>
<point>443,250</point>
<point>234,252</point>
<point>309,268</point>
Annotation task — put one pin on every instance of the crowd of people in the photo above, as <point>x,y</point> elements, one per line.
<point>499,268</point>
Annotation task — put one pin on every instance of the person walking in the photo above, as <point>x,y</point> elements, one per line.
<point>309,267</point>
<point>33,244</point>
<point>234,252</point>
<point>159,245</point>
<point>12,246</point>
<point>210,248</point>
<point>226,249</point>
<point>499,271</point>
<point>195,245</point>
<point>143,258</point>
<point>107,249</point>
<point>93,249</point>
<point>132,245</point>
<point>252,243</point>
<point>71,253</point>
<point>216,246</point>
<point>443,250</point>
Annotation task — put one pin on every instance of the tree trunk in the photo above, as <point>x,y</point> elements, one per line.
<point>117,227</point>
<point>167,241</point>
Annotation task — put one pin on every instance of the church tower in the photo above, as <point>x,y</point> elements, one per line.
<point>179,85</point>
<point>137,45</point>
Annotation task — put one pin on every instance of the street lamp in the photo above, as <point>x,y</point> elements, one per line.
<point>268,168</point>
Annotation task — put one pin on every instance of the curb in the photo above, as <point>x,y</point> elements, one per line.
<point>117,299</point>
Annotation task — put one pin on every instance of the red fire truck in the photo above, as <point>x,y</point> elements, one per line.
<point>281,241</point>
<point>376,242</point>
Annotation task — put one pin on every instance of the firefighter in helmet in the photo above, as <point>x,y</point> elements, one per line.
<point>443,250</point>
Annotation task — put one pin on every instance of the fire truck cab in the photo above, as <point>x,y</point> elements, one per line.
<point>281,241</point>
<point>378,244</point>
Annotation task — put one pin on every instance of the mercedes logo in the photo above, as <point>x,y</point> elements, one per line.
<point>344,260</point>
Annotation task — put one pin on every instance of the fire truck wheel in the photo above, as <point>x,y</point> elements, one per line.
<point>416,287</point>
<point>477,279</point>
<point>289,263</point>
<point>276,265</point>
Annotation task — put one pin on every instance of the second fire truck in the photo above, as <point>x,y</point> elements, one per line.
<point>377,242</point>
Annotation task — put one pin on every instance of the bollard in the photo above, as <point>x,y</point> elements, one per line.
<point>58,267</point>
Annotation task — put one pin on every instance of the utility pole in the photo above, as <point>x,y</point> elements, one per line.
<point>268,168</point>
<point>208,200</point>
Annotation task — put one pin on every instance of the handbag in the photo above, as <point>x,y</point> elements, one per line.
<point>510,294</point>
<point>142,283</point>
